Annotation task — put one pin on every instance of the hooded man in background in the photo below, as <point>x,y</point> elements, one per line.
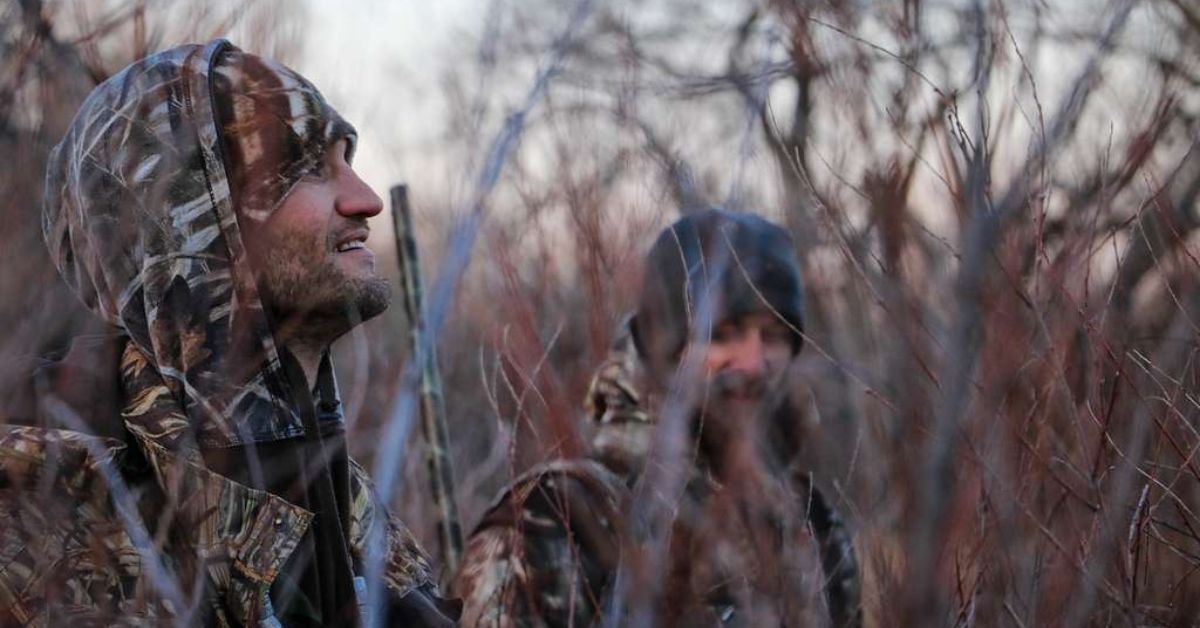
<point>203,203</point>
<point>751,541</point>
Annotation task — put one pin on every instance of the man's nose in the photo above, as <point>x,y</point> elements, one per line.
<point>750,357</point>
<point>355,197</point>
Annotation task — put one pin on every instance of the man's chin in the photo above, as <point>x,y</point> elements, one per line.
<point>722,418</point>
<point>353,303</point>
<point>746,409</point>
<point>372,297</point>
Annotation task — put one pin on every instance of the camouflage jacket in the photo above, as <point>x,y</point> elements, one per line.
<point>96,531</point>
<point>143,218</point>
<point>547,551</point>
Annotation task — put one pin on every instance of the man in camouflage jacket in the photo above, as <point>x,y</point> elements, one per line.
<point>747,538</point>
<point>202,203</point>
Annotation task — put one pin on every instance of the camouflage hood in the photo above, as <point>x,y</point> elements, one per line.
<point>140,220</point>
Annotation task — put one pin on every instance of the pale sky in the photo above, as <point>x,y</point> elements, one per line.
<point>379,62</point>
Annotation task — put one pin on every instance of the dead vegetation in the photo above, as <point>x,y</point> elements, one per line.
<point>995,203</point>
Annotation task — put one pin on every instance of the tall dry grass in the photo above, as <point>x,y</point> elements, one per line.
<point>995,205</point>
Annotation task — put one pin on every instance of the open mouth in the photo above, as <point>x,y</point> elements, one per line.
<point>354,241</point>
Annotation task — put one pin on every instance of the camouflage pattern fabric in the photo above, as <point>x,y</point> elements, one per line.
<point>140,221</point>
<point>209,547</point>
<point>618,410</point>
<point>546,552</point>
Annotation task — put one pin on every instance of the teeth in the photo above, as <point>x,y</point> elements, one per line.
<point>349,246</point>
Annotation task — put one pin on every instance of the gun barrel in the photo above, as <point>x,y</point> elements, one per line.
<point>433,413</point>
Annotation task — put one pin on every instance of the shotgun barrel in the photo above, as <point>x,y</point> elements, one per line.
<point>433,412</point>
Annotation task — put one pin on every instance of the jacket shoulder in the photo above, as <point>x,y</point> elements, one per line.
<point>70,463</point>
<point>65,554</point>
<point>540,496</point>
<point>545,550</point>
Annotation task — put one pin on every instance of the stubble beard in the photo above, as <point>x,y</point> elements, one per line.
<point>732,420</point>
<point>310,297</point>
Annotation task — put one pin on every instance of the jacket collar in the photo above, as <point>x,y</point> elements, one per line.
<point>242,535</point>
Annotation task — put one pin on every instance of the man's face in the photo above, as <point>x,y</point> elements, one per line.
<point>314,269</point>
<point>744,363</point>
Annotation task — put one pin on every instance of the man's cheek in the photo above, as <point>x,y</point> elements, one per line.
<point>297,247</point>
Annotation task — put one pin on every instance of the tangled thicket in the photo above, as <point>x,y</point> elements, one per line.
<point>995,202</point>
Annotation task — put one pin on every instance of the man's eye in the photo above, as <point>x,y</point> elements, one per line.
<point>777,333</point>
<point>724,333</point>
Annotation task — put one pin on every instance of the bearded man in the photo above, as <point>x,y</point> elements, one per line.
<point>749,540</point>
<point>203,203</point>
